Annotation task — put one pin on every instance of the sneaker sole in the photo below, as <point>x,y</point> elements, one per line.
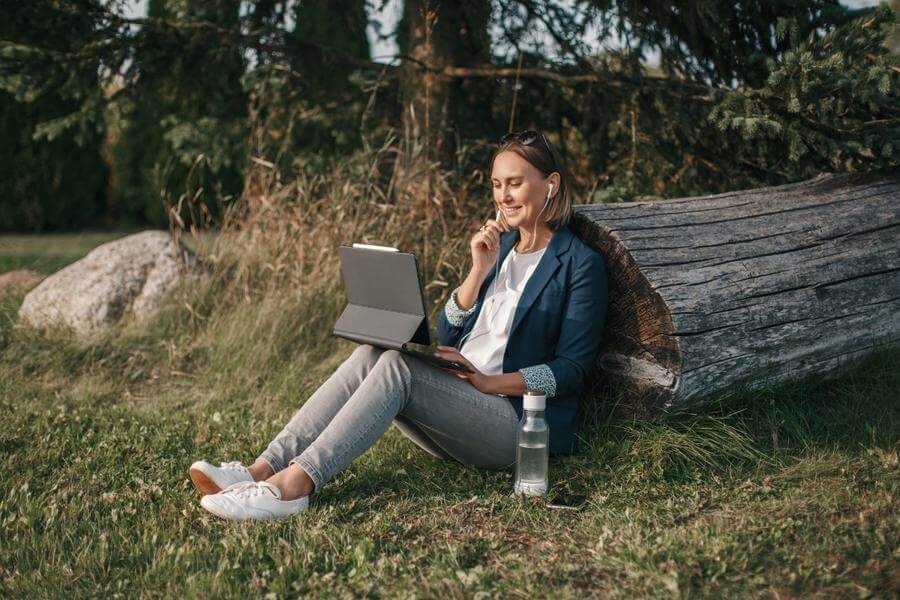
<point>217,511</point>
<point>204,483</point>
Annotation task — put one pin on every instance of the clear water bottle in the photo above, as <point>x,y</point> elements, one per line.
<point>532,449</point>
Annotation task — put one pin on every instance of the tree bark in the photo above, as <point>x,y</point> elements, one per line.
<point>438,35</point>
<point>751,287</point>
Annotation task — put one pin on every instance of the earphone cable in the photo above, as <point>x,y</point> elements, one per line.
<point>497,267</point>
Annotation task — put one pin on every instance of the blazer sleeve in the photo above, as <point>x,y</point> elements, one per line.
<point>581,331</point>
<point>452,320</point>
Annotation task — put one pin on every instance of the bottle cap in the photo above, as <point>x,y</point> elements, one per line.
<point>534,400</point>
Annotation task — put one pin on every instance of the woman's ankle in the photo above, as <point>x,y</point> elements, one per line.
<point>293,482</point>
<point>260,470</point>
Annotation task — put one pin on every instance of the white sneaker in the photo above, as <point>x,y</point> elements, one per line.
<point>210,479</point>
<point>252,500</point>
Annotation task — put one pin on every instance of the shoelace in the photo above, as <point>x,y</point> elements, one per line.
<point>245,489</point>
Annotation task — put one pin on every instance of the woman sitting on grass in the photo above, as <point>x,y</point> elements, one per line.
<point>528,319</point>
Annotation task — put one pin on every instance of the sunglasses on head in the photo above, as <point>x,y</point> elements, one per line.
<point>526,137</point>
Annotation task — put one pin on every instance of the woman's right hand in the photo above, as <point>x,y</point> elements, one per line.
<point>485,246</point>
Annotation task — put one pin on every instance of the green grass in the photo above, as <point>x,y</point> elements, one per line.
<point>781,492</point>
<point>47,253</point>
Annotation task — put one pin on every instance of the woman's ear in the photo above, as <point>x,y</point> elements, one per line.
<point>553,179</point>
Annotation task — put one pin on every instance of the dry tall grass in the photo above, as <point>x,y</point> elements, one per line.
<point>275,287</point>
<point>282,237</point>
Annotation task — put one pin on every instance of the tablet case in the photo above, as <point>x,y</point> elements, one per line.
<point>385,305</point>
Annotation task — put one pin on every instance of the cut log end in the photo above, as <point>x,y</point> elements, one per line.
<point>639,353</point>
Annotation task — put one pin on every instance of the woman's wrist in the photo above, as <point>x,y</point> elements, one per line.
<point>477,277</point>
<point>467,294</point>
<point>488,384</point>
<point>510,384</point>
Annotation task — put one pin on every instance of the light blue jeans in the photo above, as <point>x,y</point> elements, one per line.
<point>440,412</point>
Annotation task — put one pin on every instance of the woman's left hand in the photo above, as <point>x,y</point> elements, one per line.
<point>478,379</point>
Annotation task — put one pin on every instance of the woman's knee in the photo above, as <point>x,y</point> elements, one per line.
<point>375,358</point>
<point>390,357</point>
<point>367,353</point>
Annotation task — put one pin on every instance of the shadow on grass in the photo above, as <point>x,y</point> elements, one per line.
<point>400,470</point>
<point>741,430</point>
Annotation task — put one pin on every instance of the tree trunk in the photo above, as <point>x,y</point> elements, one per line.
<point>436,34</point>
<point>757,286</point>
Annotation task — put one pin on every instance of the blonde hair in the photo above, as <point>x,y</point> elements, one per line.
<point>543,157</point>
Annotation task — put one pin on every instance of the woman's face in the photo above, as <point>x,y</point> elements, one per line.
<point>520,190</point>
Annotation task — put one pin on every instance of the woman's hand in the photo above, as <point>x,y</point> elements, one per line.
<point>485,246</point>
<point>478,379</point>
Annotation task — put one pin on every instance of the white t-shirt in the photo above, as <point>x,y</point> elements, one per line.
<point>486,343</point>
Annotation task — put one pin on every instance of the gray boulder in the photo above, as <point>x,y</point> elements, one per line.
<point>125,278</point>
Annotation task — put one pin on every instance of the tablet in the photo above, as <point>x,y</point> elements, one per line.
<point>385,302</point>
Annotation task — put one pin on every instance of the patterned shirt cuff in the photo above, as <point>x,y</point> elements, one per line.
<point>455,315</point>
<point>539,378</point>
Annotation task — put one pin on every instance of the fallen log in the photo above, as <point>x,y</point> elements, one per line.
<point>751,287</point>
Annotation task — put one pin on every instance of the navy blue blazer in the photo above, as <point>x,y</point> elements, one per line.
<point>558,323</point>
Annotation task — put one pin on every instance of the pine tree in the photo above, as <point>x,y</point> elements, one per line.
<point>52,174</point>
<point>831,104</point>
<point>184,126</point>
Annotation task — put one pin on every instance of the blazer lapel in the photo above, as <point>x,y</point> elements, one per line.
<point>547,266</point>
